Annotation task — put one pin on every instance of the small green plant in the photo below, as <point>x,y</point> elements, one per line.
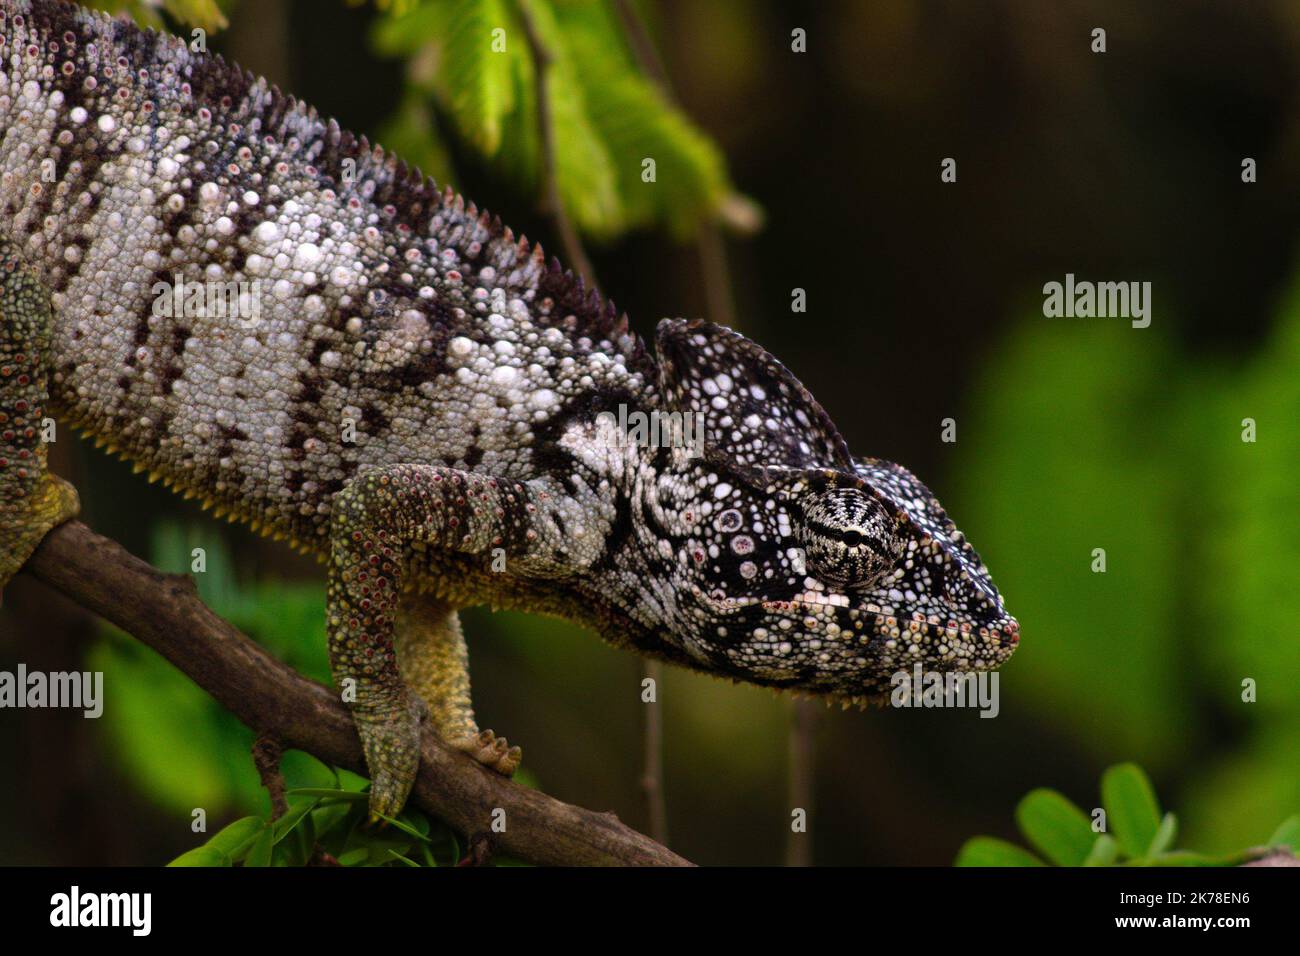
<point>1127,830</point>
<point>327,825</point>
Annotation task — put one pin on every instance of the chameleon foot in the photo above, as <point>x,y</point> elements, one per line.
<point>491,751</point>
<point>392,747</point>
<point>27,520</point>
<point>374,521</point>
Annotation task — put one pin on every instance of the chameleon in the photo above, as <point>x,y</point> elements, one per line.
<point>280,319</point>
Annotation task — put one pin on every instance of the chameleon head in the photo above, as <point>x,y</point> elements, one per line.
<point>801,566</point>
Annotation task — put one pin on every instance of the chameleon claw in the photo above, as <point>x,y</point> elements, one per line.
<point>514,757</point>
<point>491,751</point>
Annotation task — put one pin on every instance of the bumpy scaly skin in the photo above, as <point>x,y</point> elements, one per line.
<point>434,662</point>
<point>32,501</point>
<point>421,397</point>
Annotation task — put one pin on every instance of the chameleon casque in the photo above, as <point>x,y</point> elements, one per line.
<point>417,399</point>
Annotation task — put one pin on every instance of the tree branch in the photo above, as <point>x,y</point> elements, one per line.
<point>164,612</point>
<point>643,47</point>
<point>266,758</point>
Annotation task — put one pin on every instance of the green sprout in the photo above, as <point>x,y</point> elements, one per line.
<point>1127,830</point>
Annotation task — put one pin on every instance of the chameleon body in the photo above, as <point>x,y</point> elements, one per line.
<point>413,393</point>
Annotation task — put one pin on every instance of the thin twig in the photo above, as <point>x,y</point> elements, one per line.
<point>710,244</point>
<point>164,612</point>
<point>643,47</point>
<point>479,851</point>
<point>552,204</point>
<point>716,275</point>
<point>267,752</point>
<point>803,717</point>
<point>717,292</point>
<point>652,778</point>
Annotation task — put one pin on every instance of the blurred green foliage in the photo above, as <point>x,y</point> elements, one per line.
<point>1126,829</point>
<point>1095,435</point>
<point>183,748</point>
<point>205,14</point>
<point>472,58</point>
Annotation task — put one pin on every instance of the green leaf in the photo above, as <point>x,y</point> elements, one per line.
<point>199,13</point>
<point>298,844</point>
<point>1104,852</point>
<point>1164,837</point>
<point>388,838</point>
<point>1132,813</point>
<point>236,838</point>
<point>417,822</point>
<point>1287,834</point>
<point>260,854</point>
<point>410,133</point>
<point>584,170</point>
<point>1055,827</point>
<point>328,816</point>
<point>330,794</point>
<point>1187,858</point>
<point>407,31</point>
<point>205,855</point>
<point>292,817</point>
<point>990,851</point>
<point>636,122</point>
<point>606,118</point>
<point>137,10</point>
<point>476,81</point>
<point>355,857</point>
<point>404,827</point>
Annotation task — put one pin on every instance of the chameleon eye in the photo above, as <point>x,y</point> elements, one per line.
<point>850,539</point>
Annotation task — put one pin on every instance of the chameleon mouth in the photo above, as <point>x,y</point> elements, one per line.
<point>1012,631</point>
<point>721,602</point>
<point>818,599</point>
<point>989,645</point>
<point>827,613</point>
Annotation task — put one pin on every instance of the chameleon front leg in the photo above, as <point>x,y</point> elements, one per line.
<point>32,501</point>
<point>374,521</point>
<point>434,662</point>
